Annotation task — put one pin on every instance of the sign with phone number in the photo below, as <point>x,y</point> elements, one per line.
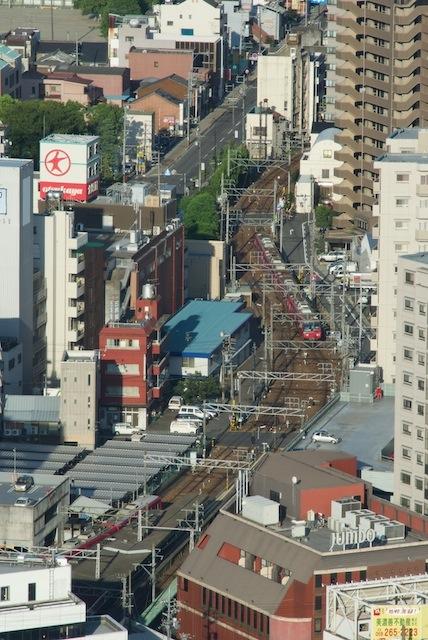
<point>399,622</point>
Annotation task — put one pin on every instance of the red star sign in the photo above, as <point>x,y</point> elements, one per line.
<point>57,162</point>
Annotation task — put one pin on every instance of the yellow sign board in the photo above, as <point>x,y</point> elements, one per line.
<point>398,621</point>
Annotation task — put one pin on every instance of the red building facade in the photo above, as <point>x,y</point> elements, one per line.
<point>134,366</point>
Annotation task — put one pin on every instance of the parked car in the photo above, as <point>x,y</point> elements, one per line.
<point>332,256</point>
<point>189,417</point>
<point>175,403</point>
<point>324,436</point>
<point>181,426</point>
<point>339,268</point>
<point>124,429</point>
<point>23,502</point>
<point>194,411</point>
<point>23,483</point>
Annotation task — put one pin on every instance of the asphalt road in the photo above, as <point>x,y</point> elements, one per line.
<point>221,126</point>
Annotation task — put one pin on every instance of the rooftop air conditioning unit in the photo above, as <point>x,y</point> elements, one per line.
<point>391,530</point>
<point>352,518</point>
<point>340,507</point>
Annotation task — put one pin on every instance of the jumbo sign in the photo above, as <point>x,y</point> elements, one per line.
<point>350,537</point>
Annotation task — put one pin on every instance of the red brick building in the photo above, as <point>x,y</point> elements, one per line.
<point>159,63</point>
<point>134,367</point>
<point>250,580</point>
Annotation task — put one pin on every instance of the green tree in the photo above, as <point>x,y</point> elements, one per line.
<point>200,216</point>
<point>118,7</point>
<point>323,216</point>
<point>106,121</point>
<point>195,389</point>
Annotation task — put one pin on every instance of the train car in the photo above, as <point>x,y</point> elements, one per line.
<point>312,330</point>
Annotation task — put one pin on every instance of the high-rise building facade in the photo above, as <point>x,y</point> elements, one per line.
<point>16,257</point>
<point>410,429</point>
<point>401,214</point>
<point>381,84</point>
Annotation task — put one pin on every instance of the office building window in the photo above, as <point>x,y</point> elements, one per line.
<point>408,304</point>
<point>318,581</point>
<point>408,328</point>
<point>405,477</point>
<point>407,378</point>
<point>419,484</point>
<point>348,576</point>
<point>405,502</point>
<point>318,603</point>
<point>31,592</point>
<point>407,404</point>
<point>408,354</point>
<point>402,177</point>
<point>409,277</point>
<point>406,453</point>
<point>4,594</point>
<point>363,575</point>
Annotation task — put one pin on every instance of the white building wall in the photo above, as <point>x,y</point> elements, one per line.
<point>403,228</point>
<point>65,285</point>
<point>199,16</point>
<point>410,457</point>
<point>16,257</point>
<point>259,146</point>
<point>275,83</point>
<point>319,161</point>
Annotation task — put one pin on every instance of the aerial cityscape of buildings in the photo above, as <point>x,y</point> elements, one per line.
<point>213,320</point>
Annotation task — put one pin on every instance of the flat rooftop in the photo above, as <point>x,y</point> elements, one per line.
<point>69,138</point>
<point>411,133</point>
<point>13,163</point>
<point>364,429</point>
<point>422,258</point>
<point>195,331</point>
<point>43,486</point>
<point>415,158</point>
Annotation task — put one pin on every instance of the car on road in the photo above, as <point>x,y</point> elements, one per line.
<point>180,426</point>
<point>124,429</point>
<point>324,436</point>
<point>333,256</point>
<point>339,268</point>
<point>175,403</point>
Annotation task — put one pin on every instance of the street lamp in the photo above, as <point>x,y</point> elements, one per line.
<point>294,482</point>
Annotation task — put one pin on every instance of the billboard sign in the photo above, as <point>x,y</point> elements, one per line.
<point>79,192</point>
<point>399,621</point>
<point>57,162</point>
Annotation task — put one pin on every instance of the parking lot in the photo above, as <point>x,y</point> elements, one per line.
<point>363,430</point>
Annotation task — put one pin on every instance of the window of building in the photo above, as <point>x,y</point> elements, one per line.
<point>421,334</point>
<point>325,173</point>
<point>408,304</point>
<point>185,584</point>
<point>405,477</point>
<point>406,453</point>
<point>401,224</point>
<point>409,277</point>
<point>421,409</point>
<point>421,359</point>
<point>333,578</point>
<point>419,434</point>
<point>407,404</point>
<point>318,603</point>
<point>401,202</point>
<point>407,429</point>
<point>317,625</point>
<point>407,378</point>
<point>402,177</point>
<point>11,363</point>
<point>408,354</point>
<point>422,309</point>
<point>31,592</point>
<point>348,576</point>
<point>248,616</point>
<point>421,385</point>
<point>363,575</point>
<point>156,64</point>
<point>419,458</point>
<point>327,153</point>
<point>188,362</point>
<point>405,502</point>
<point>408,328</point>
<point>170,23</point>
<point>4,593</point>
<point>418,507</point>
<point>419,484</point>
<point>318,581</point>
<point>229,607</point>
<point>424,178</point>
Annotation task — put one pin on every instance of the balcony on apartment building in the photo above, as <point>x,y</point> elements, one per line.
<point>76,261</point>
<point>75,286</point>
<point>75,308</point>
<point>75,332</point>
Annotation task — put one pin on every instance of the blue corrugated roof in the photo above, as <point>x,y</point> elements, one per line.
<point>195,330</point>
<point>32,408</point>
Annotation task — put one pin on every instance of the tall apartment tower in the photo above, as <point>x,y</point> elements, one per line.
<point>381,85</point>
<point>62,262</point>
<point>410,429</point>
<point>16,258</point>
<point>401,213</point>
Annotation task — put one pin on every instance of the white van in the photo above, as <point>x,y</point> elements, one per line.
<point>180,426</point>
<point>189,410</point>
<point>175,403</point>
<point>124,429</point>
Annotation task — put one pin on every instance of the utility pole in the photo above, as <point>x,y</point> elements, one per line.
<point>189,99</point>
<point>124,147</point>
<point>332,324</point>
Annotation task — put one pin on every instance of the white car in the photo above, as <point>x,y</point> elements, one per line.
<point>333,256</point>
<point>124,429</point>
<point>324,436</point>
<point>175,403</point>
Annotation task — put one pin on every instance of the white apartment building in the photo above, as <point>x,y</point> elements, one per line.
<point>275,78</point>
<point>63,264</point>
<point>80,389</point>
<point>329,42</point>
<point>190,18</point>
<point>319,163</point>
<point>410,428</point>
<point>36,598</point>
<point>16,257</point>
<point>402,212</point>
